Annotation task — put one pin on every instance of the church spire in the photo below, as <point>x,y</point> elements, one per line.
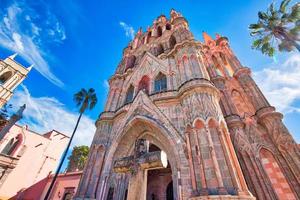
<point>206,37</point>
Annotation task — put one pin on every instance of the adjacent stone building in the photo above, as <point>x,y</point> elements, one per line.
<point>185,120</point>
<point>27,157</point>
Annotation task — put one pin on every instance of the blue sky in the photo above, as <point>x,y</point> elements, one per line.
<point>78,44</point>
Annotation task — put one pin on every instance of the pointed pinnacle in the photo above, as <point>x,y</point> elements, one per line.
<point>13,56</point>
<point>30,67</point>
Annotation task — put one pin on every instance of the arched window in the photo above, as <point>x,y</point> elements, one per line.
<point>172,42</point>
<point>195,67</point>
<point>10,146</point>
<point>144,84</point>
<point>159,31</point>
<point>160,49</point>
<point>239,103</point>
<point>226,64</point>
<point>4,77</point>
<point>110,195</point>
<point>67,196</point>
<point>206,155</point>
<point>129,94</point>
<point>160,83</point>
<point>277,178</point>
<point>217,66</point>
<point>149,36</point>
<point>168,27</point>
<point>220,154</point>
<point>130,61</point>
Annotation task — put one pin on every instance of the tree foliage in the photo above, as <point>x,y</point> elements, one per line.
<point>78,158</point>
<point>277,29</point>
<point>85,99</point>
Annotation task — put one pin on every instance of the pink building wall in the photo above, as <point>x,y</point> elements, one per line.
<point>37,156</point>
<point>66,182</point>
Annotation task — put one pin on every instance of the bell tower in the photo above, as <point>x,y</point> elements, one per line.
<point>12,74</point>
<point>267,152</point>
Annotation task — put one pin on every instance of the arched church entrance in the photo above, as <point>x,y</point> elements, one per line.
<point>158,181</point>
<point>147,158</point>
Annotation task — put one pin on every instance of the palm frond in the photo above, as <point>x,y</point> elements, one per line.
<point>283,6</point>
<point>277,28</point>
<point>93,101</point>
<point>257,43</point>
<point>295,32</point>
<point>294,16</point>
<point>263,16</point>
<point>85,99</point>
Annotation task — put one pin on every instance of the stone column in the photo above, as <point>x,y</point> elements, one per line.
<point>215,162</point>
<point>241,143</point>
<point>228,104</point>
<point>137,188</point>
<point>190,159</point>
<point>251,89</point>
<point>203,190</point>
<point>284,143</point>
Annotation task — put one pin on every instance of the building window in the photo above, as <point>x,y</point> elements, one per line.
<point>172,42</point>
<point>168,26</point>
<point>159,31</point>
<point>10,146</point>
<point>129,94</point>
<point>144,84</point>
<point>276,175</point>
<point>130,61</point>
<point>68,193</point>
<point>110,195</point>
<point>148,37</point>
<point>4,77</point>
<point>217,66</point>
<point>160,49</point>
<point>160,83</point>
<point>228,68</point>
<point>67,196</point>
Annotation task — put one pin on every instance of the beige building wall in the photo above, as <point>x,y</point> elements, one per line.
<point>35,157</point>
<point>12,74</point>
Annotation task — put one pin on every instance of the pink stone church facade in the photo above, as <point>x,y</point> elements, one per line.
<point>185,120</point>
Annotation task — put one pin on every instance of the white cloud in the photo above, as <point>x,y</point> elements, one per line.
<point>21,35</point>
<point>43,114</point>
<point>281,84</point>
<point>17,39</point>
<point>105,84</point>
<point>129,30</point>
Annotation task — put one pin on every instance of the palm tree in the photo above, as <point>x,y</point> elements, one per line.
<point>83,99</point>
<point>277,29</point>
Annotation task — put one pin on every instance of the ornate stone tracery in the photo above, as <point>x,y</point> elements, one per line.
<point>212,121</point>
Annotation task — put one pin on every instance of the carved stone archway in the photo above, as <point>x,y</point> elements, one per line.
<point>142,127</point>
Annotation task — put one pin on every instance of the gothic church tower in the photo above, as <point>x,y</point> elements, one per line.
<point>185,120</point>
<point>11,75</point>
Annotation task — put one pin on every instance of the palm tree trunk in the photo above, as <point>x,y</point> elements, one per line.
<point>62,160</point>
